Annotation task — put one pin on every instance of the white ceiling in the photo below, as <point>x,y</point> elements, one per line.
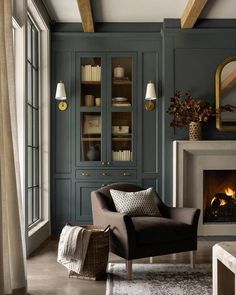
<point>136,10</point>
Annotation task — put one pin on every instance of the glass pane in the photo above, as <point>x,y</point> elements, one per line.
<point>91,128</point>
<point>35,88</point>
<point>35,128</point>
<point>29,77</point>
<point>30,206</point>
<point>36,167</point>
<point>91,82</point>
<point>30,125</point>
<point>36,204</point>
<point>122,81</point>
<point>29,41</point>
<point>34,46</point>
<point>122,136</point>
<point>30,166</point>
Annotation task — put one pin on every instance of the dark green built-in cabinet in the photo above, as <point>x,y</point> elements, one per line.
<point>105,135</point>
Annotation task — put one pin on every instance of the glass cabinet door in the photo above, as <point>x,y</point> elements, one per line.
<point>121,102</point>
<point>89,109</point>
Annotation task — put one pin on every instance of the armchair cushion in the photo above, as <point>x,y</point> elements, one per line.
<point>166,230</point>
<point>141,203</point>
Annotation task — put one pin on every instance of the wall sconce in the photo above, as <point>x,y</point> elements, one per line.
<point>150,96</point>
<point>61,95</point>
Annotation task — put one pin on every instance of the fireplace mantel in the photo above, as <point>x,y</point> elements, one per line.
<point>190,159</point>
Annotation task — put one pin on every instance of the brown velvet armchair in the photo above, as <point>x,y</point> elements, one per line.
<point>139,237</point>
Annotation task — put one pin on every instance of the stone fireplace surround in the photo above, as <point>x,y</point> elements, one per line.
<point>190,159</point>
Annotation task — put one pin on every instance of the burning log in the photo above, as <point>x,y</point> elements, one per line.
<point>222,209</point>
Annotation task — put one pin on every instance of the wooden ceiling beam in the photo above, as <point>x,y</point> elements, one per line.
<point>85,10</point>
<point>191,13</point>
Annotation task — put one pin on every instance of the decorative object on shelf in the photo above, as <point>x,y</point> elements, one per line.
<point>93,153</point>
<point>61,96</point>
<point>92,124</point>
<point>98,101</point>
<point>150,96</point>
<point>195,131</point>
<point>120,102</point>
<point>120,129</point>
<point>89,100</point>
<point>119,72</point>
<point>185,110</point>
<point>119,99</point>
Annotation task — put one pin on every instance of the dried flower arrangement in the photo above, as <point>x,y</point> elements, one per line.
<point>186,109</point>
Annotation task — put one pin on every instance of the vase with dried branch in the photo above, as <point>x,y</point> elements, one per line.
<point>191,112</point>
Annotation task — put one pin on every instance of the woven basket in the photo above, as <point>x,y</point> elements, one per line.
<point>95,263</point>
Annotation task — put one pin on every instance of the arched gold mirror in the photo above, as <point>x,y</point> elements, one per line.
<point>226,95</point>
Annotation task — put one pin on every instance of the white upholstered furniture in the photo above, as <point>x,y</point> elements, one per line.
<point>224,268</point>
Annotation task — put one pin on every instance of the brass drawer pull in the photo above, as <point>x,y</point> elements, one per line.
<point>106,174</point>
<point>103,163</point>
<point>85,174</point>
<point>126,174</point>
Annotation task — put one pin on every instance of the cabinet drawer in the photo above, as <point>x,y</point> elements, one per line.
<point>85,173</point>
<point>105,173</point>
<point>114,174</point>
<point>126,174</point>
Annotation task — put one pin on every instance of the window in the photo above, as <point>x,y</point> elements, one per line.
<point>33,124</point>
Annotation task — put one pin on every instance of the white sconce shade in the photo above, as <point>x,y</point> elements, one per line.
<point>150,92</point>
<point>60,92</point>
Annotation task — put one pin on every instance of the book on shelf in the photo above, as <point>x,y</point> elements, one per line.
<point>121,104</point>
<point>90,73</point>
<point>122,155</point>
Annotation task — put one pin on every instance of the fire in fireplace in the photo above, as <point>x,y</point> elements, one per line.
<point>219,197</point>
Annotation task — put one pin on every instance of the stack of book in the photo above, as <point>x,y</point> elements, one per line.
<point>90,73</point>
<point>125,155</point>
<point>121,104</point>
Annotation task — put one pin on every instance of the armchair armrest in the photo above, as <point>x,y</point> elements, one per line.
<point>121,225</point>
<point>186,215</point>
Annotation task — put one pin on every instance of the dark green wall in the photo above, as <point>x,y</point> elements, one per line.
<point>190,60</point>
<point>175,59</point>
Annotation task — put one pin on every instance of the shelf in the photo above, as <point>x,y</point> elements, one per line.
<point>91,139</point>
<point>91,82</point>
<point>121,82</point>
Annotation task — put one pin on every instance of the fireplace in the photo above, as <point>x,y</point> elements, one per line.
<point>219,199</point>
<point>212,162</point>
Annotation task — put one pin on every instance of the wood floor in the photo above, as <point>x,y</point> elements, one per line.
<point>46,276</point>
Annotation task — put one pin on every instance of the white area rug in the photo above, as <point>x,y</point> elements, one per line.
<point>159,279</point>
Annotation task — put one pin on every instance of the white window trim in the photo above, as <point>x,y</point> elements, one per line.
<point>41,229</point>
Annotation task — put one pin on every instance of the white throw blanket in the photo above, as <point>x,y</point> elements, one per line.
<point>72,248</point>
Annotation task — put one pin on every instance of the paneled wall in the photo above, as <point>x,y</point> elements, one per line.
<point>190,60</point>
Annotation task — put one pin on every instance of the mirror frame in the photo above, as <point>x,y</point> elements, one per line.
<point>219,124</point>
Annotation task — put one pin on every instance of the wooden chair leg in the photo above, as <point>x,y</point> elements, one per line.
<point>151,260</point>
<point>192,258</point>
<point>129,269</point>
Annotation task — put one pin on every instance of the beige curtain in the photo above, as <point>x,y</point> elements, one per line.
<point>12,258</point>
